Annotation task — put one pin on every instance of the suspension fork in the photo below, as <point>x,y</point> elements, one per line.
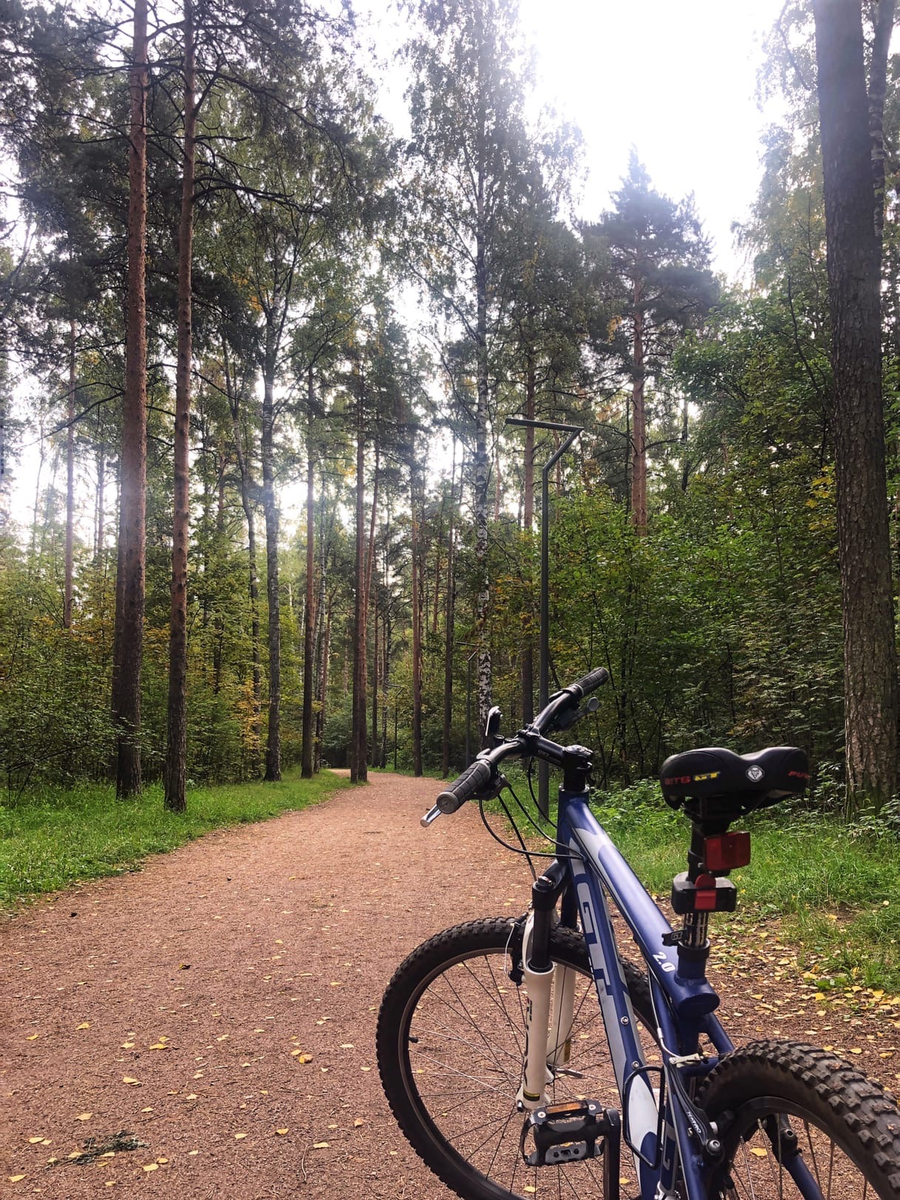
<point>551,993</point>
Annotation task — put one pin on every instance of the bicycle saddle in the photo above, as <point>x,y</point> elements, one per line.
<point>750,780</point>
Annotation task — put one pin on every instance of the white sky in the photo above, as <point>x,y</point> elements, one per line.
<point>674,78</point>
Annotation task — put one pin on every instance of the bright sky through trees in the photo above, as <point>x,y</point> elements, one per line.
<point>676,80</point>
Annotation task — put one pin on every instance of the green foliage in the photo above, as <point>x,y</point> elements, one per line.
<point>54,837</point>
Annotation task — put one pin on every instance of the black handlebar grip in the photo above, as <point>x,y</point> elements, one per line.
<point>591,681</point>
<point>472,780</point>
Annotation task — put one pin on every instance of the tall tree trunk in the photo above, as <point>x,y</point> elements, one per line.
<point>528,521</point>
<point>358,739</point>
<point>853,253</point>
<point>99,525</point>
<point>685,456</point>
<point>273,738</point>
<point>447,730</point>
<point>70,484</point>
<point>309,623</point>
<point>247,489</point>
<point>323,683</point>
<point>481,470</point>
<point>176,744</point>
<point>884,25</point>
<point>375,681</point>
<point>129,626</point>
<point>438,566</point>
<point>416,619</point>
<point>639,418</point>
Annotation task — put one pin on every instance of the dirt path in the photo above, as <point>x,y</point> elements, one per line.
<point>180,1004</point>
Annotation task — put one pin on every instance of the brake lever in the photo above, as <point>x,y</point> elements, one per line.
<point>567,720</point>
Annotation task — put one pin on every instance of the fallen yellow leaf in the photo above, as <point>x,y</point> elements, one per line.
<point>758,1151</point>
<point>84,1025</point>
<point>281,1131</point>
<point>320,1145</point>
<point>84,1116</point>
<point>359,1121</point>
<point>15,1178</point>
<point>34,1141</point>
<point>151,1166</point>
<point>238,1136</point>
<point>31,1038</point>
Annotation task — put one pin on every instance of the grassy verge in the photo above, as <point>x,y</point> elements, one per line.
<point>837,894</point>
<point>54,837</point>
<point>834,889</point>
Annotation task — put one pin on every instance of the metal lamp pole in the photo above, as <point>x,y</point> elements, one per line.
<point>573,431</point>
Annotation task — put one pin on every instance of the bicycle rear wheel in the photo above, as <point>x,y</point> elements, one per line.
<point>450,1051</point>
<point>798,1122</point>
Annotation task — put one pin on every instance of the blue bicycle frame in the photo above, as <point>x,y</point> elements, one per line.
<point>683,1003</point>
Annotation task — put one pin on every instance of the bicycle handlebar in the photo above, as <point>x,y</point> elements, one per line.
<point>472,780</point>
<point>478,777</point>
<point>591,681</point>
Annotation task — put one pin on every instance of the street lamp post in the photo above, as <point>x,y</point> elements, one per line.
<point>573,431</point>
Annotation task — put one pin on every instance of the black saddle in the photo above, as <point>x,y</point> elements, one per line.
<point>741,782</point>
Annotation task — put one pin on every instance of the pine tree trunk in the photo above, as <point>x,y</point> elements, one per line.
<point>438,566</point>
<point>70,485</point>
<point>639,418</point>
<point>528,520</point>
<point>323,684</point>
<point>358,747</point>
<point>99,526</point>
<point>853,255</point>
<point>309,623</point>
<point>129,626</point>
<point>375,681</point>
<point>884,25</point>
<point>273,737</point>
<point>176,744</point>
<point>447,730</point>
<point>481,473</point>
<point>416,621</point>
<point>253,586</point>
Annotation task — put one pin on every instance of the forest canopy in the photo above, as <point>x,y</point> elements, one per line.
<point>229,287</point>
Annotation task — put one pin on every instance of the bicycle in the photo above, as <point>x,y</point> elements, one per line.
<point>507,1081</point>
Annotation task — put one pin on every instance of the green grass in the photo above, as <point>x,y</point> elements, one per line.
<point>53,837</point>
<point>836,891</point>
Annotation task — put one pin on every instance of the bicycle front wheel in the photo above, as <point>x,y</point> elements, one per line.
<point>450,1051</point>
<point>798,1122</point>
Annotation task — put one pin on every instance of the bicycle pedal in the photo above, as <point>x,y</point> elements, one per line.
<point>565,1133</point>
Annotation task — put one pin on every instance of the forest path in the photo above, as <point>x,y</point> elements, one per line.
<point>175,1003</point>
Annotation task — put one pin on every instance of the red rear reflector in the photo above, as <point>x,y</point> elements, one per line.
<point>725,851</point>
